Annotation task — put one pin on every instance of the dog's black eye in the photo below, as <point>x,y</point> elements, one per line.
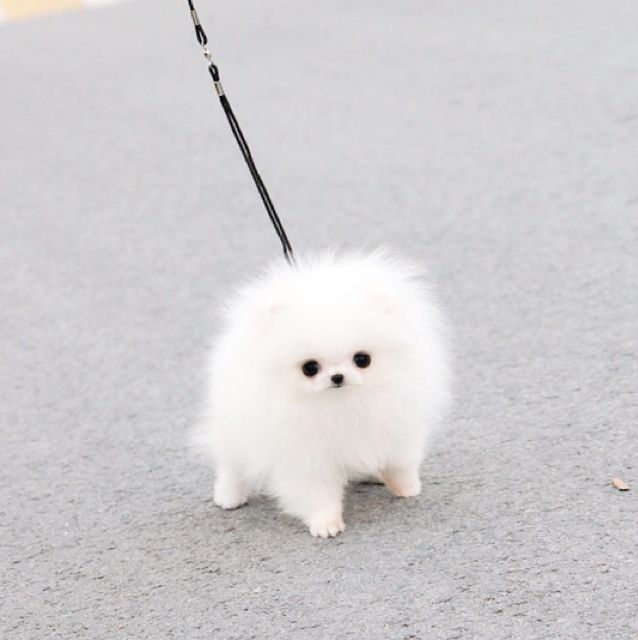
<point>310,368</point>
<point>362,360</point>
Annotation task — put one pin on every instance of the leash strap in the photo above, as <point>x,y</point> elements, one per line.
<point>202,39</point>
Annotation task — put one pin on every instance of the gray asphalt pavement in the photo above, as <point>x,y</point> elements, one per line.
<point>497,142</point>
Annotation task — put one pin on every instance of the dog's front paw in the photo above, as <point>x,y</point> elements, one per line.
<point>229,495</point>
<point>326,527</point>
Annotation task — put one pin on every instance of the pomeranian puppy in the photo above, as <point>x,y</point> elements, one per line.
<point>329,370</point>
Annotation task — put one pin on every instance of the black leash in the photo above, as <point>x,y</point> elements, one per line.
<point>239,136</point>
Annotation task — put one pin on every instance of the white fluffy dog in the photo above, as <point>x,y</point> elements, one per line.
<point>329,370</point>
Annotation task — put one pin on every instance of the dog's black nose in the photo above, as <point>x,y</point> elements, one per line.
<point>337,379</point>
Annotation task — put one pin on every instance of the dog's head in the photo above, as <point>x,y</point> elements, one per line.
<point>337,324</point>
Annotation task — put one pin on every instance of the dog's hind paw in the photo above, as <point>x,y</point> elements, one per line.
<point>404,483</point>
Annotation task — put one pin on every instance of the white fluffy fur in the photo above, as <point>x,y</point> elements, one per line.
<point>271,429</point>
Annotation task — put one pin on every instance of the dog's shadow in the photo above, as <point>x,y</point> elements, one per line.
<point>371,505</point>
<point>369,508</point>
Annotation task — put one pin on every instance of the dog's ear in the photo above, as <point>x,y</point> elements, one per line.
<point>274,310</point>
<point>267,311</point>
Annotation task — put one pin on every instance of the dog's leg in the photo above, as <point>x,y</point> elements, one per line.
<point>402,480</point>
<point>231,488</point>
<point>316,500</point>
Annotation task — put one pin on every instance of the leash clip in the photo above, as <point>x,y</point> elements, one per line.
<point>208,55</point>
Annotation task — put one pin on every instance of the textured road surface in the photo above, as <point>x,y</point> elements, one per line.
<point>499,144</point>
